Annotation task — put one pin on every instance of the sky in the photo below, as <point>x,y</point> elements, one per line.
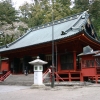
<point>18,3</point>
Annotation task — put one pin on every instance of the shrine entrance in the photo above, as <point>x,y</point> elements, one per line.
<point>66,61</point>
<point>19,65</point>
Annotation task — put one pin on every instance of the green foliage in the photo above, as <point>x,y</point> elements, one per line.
<point>81,5</point>
<point>20,28</point>
<point>7,12</point>
<point>94,11</point>
<point>61,9</point>
<point>95,15</point>
<point>24,10</point>
<point>36,15</point>
<point>5,39</point>
<point>41,12</point>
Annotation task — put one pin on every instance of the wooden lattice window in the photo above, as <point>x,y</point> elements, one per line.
<point>91,63</point>
<point>67,61</point>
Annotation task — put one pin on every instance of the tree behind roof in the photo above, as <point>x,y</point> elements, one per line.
<point>7,12</point>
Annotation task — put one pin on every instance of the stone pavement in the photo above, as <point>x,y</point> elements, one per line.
<point>67,83</point>
<point>89,92</point>
<point>7,88</point>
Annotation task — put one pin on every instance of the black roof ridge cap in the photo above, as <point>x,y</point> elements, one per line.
<point>46,24</point>
<point>77,22</point>
<point>81,17</point>
<point>51,24</point>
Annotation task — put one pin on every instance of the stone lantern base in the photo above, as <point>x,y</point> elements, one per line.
<point>34,86</point>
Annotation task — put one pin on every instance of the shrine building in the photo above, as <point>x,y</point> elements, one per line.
<point>71,35</point>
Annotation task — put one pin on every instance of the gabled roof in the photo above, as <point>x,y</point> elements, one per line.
<point>42,34</point>
<point>87,50</point>
<point>97,55</point>
<point>89,53</point>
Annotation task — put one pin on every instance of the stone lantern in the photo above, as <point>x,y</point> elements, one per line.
<point>38,69</point>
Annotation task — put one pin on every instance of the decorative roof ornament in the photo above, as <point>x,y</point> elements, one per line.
<point>77,16</point>
<point>71,17</point>
<point>92,32</point>
<point>58,21</point>
<point>83,27</point>
<point>63,33</point>
<point>88,21</point>
<point>64,19</point>
<point>83,16</point>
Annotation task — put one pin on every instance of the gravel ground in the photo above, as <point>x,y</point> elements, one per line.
<point>90,92</point>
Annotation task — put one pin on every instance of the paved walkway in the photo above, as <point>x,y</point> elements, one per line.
<point>91,92</point>
<point>7,88</point>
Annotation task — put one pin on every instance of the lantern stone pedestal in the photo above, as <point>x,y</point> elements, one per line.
<point>38,68</point>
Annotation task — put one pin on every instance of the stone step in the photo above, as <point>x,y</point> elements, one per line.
<point>18,80</point>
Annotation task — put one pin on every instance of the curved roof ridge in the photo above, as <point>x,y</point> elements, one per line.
<point>90,35</point>
<point>82,16</point>
<point>62,20</point>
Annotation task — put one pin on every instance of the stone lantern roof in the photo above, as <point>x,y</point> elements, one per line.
<point>38,62</point>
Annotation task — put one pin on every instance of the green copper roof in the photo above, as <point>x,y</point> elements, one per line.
<point>62,29</point>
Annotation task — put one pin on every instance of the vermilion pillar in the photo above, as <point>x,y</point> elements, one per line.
<point>74,59</point>
<point>81,77</point>
<point>59,65</point>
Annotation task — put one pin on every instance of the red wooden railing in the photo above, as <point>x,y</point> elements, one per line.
<point>49,71</point>
<point>45,73</point>
<point>2,78</point>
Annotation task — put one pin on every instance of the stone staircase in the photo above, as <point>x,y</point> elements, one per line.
<point>18,80</point>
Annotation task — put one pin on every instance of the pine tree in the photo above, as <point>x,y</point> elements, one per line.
<point>95,15</point>
<point>81,5</point>
<point>7,12</point>
<point>24,10</point>
<point>41,12</point>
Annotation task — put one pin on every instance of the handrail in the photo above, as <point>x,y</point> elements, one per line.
<point>46,71</point>
<point>58,77</point>
<point>50,71</point>
<point>5,76</point>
